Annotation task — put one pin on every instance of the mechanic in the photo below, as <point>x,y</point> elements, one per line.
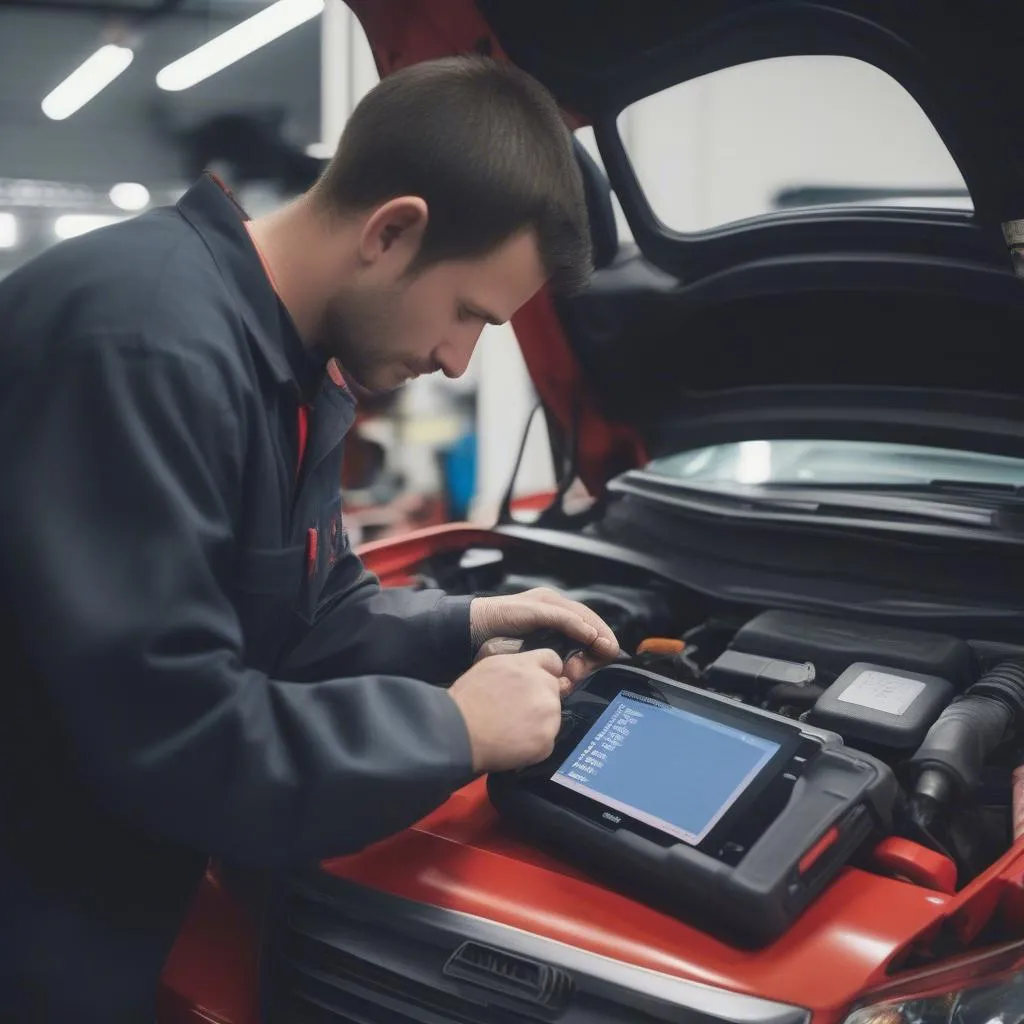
<point>197,664</point>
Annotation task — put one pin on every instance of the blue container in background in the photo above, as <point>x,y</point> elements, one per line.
<point>459,463</point>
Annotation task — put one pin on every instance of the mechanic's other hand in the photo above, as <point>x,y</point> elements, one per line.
<point>576,667</point>
<point>512,709</point>
<point>522,614</point>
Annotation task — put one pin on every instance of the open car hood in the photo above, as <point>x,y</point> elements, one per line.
<point>861,323</point>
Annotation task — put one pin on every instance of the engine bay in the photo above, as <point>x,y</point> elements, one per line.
<point>945,712</point>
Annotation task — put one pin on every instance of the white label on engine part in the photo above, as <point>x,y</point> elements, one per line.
<point>1013,232</point>
<point>882,691</point>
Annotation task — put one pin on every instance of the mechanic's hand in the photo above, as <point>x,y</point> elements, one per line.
<point>533,610</point>
<point>497,622</point>
<point>511,707</point>
<point>576,667</point>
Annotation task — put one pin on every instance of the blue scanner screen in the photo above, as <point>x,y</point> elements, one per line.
<point>667,767</point>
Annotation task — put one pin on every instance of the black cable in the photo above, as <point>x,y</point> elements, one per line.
<point>505,509</point>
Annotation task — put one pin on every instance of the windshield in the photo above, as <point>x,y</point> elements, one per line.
<point>849,463</point>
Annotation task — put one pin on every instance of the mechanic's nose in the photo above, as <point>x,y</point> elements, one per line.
<point>454,358</point>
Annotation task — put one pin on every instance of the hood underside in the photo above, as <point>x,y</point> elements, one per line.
<point>860,323</point>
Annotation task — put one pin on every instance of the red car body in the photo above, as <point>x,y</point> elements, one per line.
<point>869,924</point>
<point>460,859</point>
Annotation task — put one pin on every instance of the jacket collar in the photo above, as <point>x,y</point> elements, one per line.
<point>217,216</point>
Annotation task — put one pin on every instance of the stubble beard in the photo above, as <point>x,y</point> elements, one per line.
<point>354,338</point>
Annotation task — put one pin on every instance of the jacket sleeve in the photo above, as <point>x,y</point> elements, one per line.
<point>119,484</point>
<point>358,626</point>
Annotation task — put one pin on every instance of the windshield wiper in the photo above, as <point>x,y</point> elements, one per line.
<point>982,509</point>
<point>860,501</point>
<point>996,506</point>
<point>983,489</point>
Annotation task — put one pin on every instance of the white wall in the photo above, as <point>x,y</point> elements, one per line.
<point>717,149</point>
<point>347,69</point>
<point>505,397</point>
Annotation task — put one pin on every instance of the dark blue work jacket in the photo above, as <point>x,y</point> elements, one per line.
<point>188,638</point>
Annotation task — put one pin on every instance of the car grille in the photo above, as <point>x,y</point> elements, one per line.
<point>329,985</point>
<point>337,953</point>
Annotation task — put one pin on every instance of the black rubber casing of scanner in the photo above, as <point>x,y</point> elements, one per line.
<point>840,800</point>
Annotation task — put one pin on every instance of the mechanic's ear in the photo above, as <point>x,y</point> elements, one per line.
<point>394,231</point>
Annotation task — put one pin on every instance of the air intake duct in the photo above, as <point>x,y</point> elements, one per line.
<point>949,762</point>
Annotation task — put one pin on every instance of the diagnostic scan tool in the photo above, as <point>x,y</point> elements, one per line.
<point>725,815</point>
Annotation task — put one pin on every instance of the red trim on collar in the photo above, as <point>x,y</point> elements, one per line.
<point>303,438</point>
<point>334,372</point>
<point>220,183</point>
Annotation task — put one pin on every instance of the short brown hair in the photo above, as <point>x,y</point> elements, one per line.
<point>485,146</point>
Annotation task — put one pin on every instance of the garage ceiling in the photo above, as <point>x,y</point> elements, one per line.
<point>133,131</point>
<point>219,8</point>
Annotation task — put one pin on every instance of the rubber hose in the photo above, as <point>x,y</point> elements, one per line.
<point>950,760</point>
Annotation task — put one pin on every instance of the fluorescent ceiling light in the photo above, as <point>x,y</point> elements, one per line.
<point>73,224</point>
<point>237,42</point>
<point>320,150</point>
<point>130,196</point>
<point>89,78</point>
<point>8,231</point>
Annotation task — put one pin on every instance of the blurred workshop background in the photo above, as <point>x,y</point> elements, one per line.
<point>109,107</point>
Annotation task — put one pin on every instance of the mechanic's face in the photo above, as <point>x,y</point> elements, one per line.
<point>387,325</point>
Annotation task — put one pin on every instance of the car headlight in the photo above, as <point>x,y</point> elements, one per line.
<point>985,989</point>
